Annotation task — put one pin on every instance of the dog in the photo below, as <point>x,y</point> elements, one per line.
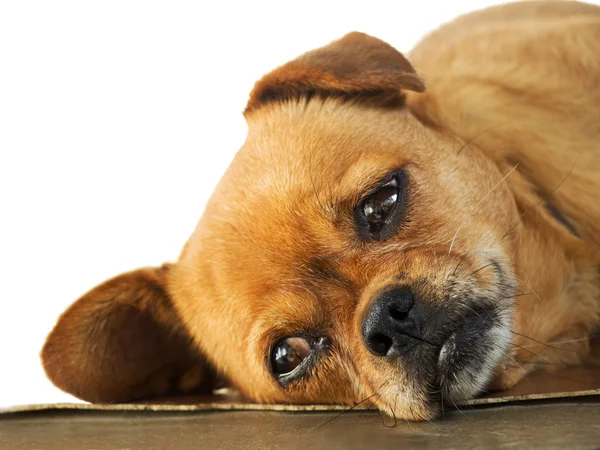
<point>406,231</point>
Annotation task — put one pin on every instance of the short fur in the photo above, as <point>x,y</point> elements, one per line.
<point>503,154</point>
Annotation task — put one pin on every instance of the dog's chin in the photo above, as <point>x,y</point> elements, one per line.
<point>468,359</point>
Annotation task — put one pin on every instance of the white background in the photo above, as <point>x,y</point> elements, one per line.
<point>117,118</point>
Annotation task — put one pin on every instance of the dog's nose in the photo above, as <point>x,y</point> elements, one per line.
<point>391,324</point>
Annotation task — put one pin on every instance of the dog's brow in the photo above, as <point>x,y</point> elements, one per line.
<point>321,268</point>
<point>367,179</point>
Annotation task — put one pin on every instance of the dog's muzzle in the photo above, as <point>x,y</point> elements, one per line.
<point>455,347</point>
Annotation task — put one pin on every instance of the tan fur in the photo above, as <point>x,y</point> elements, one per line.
<point>521,82</point>
<point>508,124</point>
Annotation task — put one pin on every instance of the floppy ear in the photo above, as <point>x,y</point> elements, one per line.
<point>124,341</point>
<point>357,66</point>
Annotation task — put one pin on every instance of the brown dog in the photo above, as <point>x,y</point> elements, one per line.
<point>377,239</point>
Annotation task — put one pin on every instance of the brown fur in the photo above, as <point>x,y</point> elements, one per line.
<point>123,341</point>
<point>378,72</point>
<point>504,140</point>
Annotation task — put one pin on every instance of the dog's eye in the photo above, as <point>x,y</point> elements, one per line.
<point>289,354</point>
<point>380,213</point>
<point>379,205</point>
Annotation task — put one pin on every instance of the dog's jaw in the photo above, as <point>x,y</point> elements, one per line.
<point>476,373</point>
<point>469,358</point>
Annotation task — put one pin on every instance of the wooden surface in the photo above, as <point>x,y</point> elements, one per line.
<point>536,425</point>
<point>573,383</point>
<point>545,411</point>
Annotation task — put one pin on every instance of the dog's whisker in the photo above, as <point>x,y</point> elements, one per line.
<point>542,343</point>
<point>541,201</point>
<point>517,363</point>
<point>480,269</point>
<point>443,410</point>
<point>356,405</point>
<point>393,412</point>
<point>521,294</point>
<point>477,205</point>
<point>457,266</point>
<point>327,422</point>
<point>560,364</point>
<point>533,291</point>
<point>566,366</point>
<point>457,408</point>
<point>568,341</point>
<point>482,132</point>
<point>530,352</point>
<point>505,286</point>
<point>420,339</point>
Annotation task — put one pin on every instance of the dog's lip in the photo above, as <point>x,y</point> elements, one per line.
<point>447,349</point>
<point>456,338</point>
<point>470,354</point>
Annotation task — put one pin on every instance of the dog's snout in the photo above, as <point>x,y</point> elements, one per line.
<point>391,323</point>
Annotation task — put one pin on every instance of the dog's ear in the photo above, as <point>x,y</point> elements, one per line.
<point>124,341</point>
<point>357,66</point>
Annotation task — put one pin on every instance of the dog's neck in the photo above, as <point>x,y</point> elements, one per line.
<point>556,223</point>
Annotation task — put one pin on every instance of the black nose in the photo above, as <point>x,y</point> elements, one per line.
<point>391,323</point>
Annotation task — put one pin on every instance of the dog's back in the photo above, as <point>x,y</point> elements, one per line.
<point>522,82</point>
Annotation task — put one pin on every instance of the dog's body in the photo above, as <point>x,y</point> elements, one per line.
<point>376,239</point>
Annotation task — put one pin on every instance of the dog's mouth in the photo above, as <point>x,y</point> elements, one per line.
<point>469,356</point>
<point>455,366</point>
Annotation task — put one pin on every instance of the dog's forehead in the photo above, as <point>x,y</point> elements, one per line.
<point>322,138</point>
<point>274,215</point>
<point>330,148</point>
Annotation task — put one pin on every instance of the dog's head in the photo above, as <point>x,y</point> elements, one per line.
<point>353,250</point>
